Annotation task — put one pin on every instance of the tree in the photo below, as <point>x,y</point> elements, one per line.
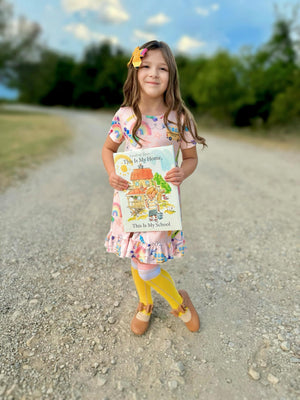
<point>100,76</point>
<point>286,106</point>
<point>188,69</point>
<point>267,73</point>
<point>17,41</point>
<point>216,89</point>
<point>61,90</point>
<point>46,81</point>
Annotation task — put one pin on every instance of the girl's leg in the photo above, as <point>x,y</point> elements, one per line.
<point>161,281</point>
<point>140,321</point>
<point>164,285</point>
<point>143,289</point>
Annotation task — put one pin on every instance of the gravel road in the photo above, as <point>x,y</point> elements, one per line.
<point>66,305</point>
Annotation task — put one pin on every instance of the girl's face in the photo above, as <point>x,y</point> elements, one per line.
<point>153,75</point>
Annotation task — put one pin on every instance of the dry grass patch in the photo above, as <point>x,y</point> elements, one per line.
<point>26,140</point>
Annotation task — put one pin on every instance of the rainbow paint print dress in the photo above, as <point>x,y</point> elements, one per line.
<point>147,247</point>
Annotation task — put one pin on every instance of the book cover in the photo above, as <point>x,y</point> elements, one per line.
<point>150,203</point>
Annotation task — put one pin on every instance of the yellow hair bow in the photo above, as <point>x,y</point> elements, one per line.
<point>136,58</point>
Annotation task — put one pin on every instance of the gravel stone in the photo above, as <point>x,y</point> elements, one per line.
<point>285,346</point>
<point>173,384</point>
<point>254,374</point>
<point>179,367</point>
<point>66,305</point>
<point>101,382</point>
<point>273,379</point>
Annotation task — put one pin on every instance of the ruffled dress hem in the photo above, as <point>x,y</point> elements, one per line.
<point>154,253</point>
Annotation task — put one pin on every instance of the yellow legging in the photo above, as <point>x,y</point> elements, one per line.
<point>163,284</point>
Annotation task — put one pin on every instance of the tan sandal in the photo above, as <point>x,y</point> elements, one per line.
<point>189,314</point>
<point>140,321</point>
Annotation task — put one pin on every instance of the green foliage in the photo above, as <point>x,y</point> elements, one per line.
<point>62,84</point>
<point>286,106</point>
<point>48,81</point>
<point>188,69</point>
<point>161,182</point>
<point>268,73</point>
<point>216,89</point>
<point>57,79</point>
<point>99,77</point>
<point>260,85</point>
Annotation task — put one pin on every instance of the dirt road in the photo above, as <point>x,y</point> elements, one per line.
<point>66,305</point>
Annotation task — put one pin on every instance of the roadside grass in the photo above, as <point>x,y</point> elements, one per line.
<point>281,138</point>
<point>26,140</point>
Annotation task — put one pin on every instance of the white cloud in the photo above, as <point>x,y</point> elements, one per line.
<point>215,7</point>
<point>205,12</point>
<point>115,13</point>
<point>159,19</point>
<point>202,11</point>
<point>187,43</point>
<point>145,36</point>
<point>78,5</point>
<point>109,10</point>
<point>82,32</point>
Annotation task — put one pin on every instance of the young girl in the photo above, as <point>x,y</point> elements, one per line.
<point>152,114</point>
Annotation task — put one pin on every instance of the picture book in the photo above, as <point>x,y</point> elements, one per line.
<point>150,203</point>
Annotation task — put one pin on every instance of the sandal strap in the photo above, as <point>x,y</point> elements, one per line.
<point>148,307</point>
<point>181,309</point>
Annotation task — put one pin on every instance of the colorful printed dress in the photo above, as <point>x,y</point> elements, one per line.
<point>147,247</point>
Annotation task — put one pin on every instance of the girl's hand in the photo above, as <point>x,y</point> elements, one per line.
<point>117,182</point>
<point>175,176</point>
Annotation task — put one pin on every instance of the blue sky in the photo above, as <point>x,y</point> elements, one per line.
<point>189,26</point>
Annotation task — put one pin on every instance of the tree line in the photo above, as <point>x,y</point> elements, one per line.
<point>242,89</point>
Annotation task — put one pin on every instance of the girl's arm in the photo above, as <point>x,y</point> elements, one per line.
<point>109,148</point>
<point>189,163</point>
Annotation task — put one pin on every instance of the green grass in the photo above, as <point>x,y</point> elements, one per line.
<point>26,140</point>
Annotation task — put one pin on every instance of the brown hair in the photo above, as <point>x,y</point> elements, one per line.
<point>172,96</point>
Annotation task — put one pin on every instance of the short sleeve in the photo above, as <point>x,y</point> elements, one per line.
<point>116,131</point>
<point>190,141</point>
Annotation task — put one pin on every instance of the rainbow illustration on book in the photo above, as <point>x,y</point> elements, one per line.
<point>150,203</point>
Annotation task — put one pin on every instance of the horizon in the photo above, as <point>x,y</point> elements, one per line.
<point>192,28</point>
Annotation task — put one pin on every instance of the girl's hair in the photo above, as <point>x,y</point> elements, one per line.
<point>172,96</point>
